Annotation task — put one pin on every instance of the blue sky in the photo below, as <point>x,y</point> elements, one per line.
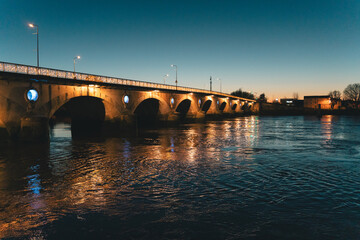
<point>277,47</point>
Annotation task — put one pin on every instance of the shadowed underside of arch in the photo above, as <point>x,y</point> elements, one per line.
<point>147,112</point>
<point>234,106</point>
<point>206,106</point>
<point>86,115</point>
<point>245,106</point>
<point>184,107</point>
<point>222,106</point>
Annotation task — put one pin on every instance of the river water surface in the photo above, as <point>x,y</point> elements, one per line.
<point>243,178</point>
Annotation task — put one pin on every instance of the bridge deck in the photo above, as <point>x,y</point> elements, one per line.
<point>32,70</point>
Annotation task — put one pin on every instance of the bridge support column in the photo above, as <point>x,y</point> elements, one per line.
<point>34,128</point>
<point>172,117</point>
<point>199,115</point>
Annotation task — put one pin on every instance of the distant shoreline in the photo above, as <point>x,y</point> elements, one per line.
<point>282,110</point>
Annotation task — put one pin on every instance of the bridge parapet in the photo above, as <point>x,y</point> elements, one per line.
<point>32,70</point>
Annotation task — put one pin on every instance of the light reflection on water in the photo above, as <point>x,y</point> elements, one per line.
<point>251,177</point>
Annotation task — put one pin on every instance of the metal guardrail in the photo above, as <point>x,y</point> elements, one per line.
<point>32,70</point>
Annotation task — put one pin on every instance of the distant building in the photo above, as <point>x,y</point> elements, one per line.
<point>321,102</point>
<point>292,102</point>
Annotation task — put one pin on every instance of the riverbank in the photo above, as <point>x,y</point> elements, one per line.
<point>269,109</point>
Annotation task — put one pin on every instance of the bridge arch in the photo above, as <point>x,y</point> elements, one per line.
<point>163,106</point>
<point>246,106</point>
<point>184,106</point>
<point>85,113</point>
<point>184,99</point>
<point>206,106</point>
<point>234,106</point>
<point>222,106</point>
<point>113,106</point>
<point>150,111</point>
<point>149,106</point>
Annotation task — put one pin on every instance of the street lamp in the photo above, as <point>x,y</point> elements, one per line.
<point>165,76</point>
<point>32,25</point>
<point>220,83</point>
<point>77,57</point>
<point>176,81</point>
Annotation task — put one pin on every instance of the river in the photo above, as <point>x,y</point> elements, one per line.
<point>244,178</point>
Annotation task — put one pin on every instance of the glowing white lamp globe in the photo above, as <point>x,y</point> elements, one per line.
<point>32,95</point>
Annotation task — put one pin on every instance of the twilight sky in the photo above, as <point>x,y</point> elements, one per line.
<point>277,47</point>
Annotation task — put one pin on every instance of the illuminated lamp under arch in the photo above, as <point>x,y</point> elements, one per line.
<point>32,95</point>
<point>126,99</point>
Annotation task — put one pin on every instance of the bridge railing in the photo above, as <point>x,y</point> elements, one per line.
<point>32,70</point>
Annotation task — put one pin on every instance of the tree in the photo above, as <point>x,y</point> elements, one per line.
<point>352,92</point>
<point>262,98</point>
<point>335,94</point>
<point>243,94</point>
<point>295,96</point>
<point>334,97</point>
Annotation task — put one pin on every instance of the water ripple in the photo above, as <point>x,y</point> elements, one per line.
<point>251,177</point>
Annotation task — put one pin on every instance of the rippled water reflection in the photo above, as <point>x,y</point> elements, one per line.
<point>251,177</point>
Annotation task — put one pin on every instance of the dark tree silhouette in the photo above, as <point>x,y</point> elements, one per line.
<point>241,93</point>
<point>335,94</point>
<point>262,98</point>
<point>352,92</point>
<point>335,98</point>
<point>295,96</point>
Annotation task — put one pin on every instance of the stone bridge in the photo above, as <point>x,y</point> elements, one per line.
<point>31,96</point>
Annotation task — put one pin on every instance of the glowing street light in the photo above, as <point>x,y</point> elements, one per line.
<point>165,76</point>
<point>32,25</point>
<point>75,58</point>
<point>176,81</point>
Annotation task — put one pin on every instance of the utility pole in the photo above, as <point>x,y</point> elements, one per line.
<point>210,84</point>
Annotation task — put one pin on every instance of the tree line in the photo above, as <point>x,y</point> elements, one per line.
<point>243,94</point>
<point>249,95</point>
<point>351,92</point>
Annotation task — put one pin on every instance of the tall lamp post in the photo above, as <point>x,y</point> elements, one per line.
<point>220,83</point>
<point>176,81</point>
<point>75,58</point>
<point>165,76</point>
<point>32,25</point>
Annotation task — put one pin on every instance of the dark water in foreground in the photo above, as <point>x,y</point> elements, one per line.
<point>250,177</point>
